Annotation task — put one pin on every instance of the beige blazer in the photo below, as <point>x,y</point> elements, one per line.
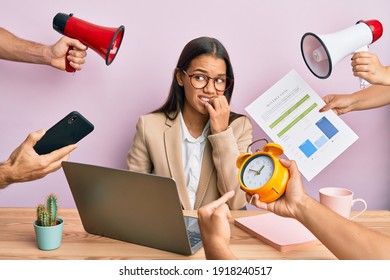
<point>156,149</point>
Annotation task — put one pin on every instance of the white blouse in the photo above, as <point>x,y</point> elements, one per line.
<point>192,157</point>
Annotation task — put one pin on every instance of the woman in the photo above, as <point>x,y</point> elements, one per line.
<point>194,137</point>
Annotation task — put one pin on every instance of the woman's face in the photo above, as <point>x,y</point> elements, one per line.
<point>207,65</point>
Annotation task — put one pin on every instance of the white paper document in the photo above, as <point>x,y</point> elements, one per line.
<point>289,113</point>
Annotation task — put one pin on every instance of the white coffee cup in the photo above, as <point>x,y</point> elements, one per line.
<point>341,201</point>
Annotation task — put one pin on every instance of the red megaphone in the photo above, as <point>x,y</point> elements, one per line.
<point>103,40</point>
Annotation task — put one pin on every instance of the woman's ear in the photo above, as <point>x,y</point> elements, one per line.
<point>179,77</point>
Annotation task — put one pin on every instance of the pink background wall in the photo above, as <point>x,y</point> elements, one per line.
<point>263,39</point>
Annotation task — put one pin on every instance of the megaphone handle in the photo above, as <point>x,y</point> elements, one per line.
<point>68,68</point>
<point>363,82</point>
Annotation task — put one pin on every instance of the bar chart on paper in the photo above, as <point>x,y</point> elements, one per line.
<point>289,113</point>
<point>327,131</point>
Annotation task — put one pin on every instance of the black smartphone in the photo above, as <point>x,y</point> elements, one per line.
<point>71,129</point>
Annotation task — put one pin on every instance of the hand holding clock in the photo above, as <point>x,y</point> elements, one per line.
<point>329,227</point>
<point>294,195</point>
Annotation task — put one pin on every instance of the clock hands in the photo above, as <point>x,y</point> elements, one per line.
<point>257,171</point>
<point>253,171</point>
<point>260,170</point>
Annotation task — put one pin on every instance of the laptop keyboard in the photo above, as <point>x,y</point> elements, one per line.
<point>194,237</point>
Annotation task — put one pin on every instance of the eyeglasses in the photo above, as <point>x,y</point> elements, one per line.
<point>200,81</point>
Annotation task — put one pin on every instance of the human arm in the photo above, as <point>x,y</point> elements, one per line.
<point>24,164</point>
<point>20,50</point>
<point>344,238</point>
<point>226,147</point>
<point>367,66</point>
<point>215,229</point>
<point>369,98</point>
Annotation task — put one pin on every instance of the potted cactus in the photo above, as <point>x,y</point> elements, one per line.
<point>48,227</point>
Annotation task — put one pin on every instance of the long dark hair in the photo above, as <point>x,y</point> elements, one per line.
<point>197,47</point>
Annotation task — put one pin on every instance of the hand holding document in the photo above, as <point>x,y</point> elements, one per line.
<point>289,114</point>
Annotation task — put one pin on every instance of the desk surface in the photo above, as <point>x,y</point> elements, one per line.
<point>17,240</point>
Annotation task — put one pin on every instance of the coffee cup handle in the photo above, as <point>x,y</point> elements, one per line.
<point>361,211</point>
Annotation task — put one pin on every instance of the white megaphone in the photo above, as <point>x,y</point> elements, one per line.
<point>322,52</point>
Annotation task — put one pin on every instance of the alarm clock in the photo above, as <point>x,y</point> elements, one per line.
<point>262,173</point>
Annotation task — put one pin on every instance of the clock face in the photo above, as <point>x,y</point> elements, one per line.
<point>257,171</point>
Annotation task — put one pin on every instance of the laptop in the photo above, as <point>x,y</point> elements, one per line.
<point>140,208</point>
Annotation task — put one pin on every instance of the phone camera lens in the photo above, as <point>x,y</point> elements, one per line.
<point>72,119</point>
